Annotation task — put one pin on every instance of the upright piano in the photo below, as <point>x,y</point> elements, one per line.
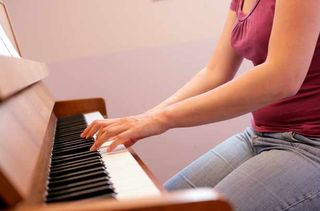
<point>45,165</point>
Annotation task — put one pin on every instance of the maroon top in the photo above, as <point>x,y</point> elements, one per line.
<point>250,38</point>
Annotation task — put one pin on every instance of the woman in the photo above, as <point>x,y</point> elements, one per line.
<point>274,164</point>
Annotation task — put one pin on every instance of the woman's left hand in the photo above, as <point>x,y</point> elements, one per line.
<point>127,130</point>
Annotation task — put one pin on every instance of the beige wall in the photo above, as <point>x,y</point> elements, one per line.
<point>51,30</point>
<point>134,53</point>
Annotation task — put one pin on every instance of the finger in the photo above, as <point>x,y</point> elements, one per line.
<point>85,131</point>
<point>122,138</point>
<point>108,133</point>
<point>104,129</point>
<point>88,128</point>
<point>115,142</point>
<point>130,142</point>
<point>100,132</point>
<point>105,122</point>
<point>93,130</point>
<point>96,127</point>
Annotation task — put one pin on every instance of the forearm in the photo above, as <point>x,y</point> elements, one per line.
<point>244,94</point>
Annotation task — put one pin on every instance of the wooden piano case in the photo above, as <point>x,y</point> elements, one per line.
<point>28,115</point>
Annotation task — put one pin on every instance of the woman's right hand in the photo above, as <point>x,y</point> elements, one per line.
<point>126,130</point>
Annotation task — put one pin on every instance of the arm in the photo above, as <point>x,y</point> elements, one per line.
<point>221,68</point>
<point>294,36</point>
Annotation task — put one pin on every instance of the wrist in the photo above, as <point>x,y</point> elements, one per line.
<point>162,117</point>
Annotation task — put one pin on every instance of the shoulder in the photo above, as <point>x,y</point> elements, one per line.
<point>234,4</point>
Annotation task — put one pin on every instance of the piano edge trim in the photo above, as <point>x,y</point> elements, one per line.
<point>187,200</point>
<point>145,168</point>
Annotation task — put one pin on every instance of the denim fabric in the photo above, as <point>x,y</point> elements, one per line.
<point>259,171</point>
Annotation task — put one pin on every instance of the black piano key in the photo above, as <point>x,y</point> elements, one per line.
<point>75,184</point>
<point>61,185</point>
<point>99,191</point>
<point>74,156</point>
<point>77,154</point>
<point>59,127</point>
<point>71,128</point>
<point>68,144</point>
<point>78,168</point>
<point>72,150</point>
<point>77,173</point>
<point>75,163</point>
<point>65,124</point>
<point>78,129</point>
<point>69,124</point>
<point>70,161</point>
<point>76,146</point>
<point>67,119</point>
<point>70,121</point>
<point>104,184</point>
<point>58,136</point>
<point>68,134</point>
<point>73,123</point>
<point>78,178</point>
<point>71,138</point>
<point>74,140</point>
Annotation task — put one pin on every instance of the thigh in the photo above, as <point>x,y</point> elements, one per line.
<point>274,180</point>
<point>211,167</point>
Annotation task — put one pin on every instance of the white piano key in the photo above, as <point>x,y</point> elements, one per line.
<point>129,179</point>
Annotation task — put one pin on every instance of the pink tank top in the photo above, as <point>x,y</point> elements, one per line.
<point>250,38</point>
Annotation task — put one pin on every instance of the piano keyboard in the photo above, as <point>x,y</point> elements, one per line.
<point>76,173</point>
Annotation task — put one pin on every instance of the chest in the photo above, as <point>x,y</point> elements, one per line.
<point>252,30</point>
<point>247,6</point>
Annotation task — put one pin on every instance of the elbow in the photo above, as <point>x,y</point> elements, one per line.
<point>280,89</point>
<point>293,82</point>
<point>287,89</point>
<point>286,81</point>
<point>276,93</point>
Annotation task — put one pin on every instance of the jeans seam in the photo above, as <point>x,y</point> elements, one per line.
<point>187,180</point>
<point>312,196</point>
<point>245,174</point>
<point>222,158</point>
<point>301,152</point>
<point>254,150</point>
<point>262,184</point>
<point>251,147</point>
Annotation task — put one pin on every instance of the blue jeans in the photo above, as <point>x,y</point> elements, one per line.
<point>259,171</point>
